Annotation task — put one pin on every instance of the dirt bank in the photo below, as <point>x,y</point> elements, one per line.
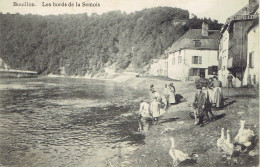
<point>243,104</point>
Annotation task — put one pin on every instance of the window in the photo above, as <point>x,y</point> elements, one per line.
<point>251,60</point>
<point>212,70</point>
<point>194,72</point>
<point>196,60</point>
<point>173,60</point>
<point>179,60</point>
<point>197,43</point>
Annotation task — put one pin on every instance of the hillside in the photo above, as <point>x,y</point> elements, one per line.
<point>84,44</point>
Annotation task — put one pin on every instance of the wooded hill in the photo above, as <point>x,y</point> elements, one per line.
<point>86,44</point>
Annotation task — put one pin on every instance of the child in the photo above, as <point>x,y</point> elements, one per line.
<point>144,115</point>
<point>155,110</point>
<point>199,104</point>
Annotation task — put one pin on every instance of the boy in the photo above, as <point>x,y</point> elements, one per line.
<point>199,104</point>
<point>144,115</point>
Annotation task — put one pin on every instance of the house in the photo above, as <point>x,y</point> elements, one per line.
<point>159,67</point>
<point>233,45</point>
<point>194,54</point>
<point>223,58</point>
<point>251,75</point>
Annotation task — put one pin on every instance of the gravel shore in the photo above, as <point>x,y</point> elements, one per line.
<point>241,104</point>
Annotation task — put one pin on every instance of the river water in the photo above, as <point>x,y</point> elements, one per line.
<point>67,122</point>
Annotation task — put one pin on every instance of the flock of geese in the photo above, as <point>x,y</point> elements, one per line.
<point>243,138</point>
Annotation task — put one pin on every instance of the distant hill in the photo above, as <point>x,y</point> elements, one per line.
<point>83,44</point>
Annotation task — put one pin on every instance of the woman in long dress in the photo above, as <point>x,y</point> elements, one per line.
<point>211,90</point>
<point>218,95</point>
<point>172,99</point>
<point>155,110</point>
<point>166,94</point>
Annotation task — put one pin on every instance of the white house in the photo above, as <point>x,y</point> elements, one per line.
<point>223,71</point>
<point>159,67</point>
<point>251,75</point>
<point>194,54</point>
<point>236,47</point>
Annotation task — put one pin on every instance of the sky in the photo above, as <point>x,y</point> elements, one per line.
<point>215,9</point>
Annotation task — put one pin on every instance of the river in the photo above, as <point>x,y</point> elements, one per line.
<point>67,122</point>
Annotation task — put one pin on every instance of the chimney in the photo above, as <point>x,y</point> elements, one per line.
<point>205,29</point>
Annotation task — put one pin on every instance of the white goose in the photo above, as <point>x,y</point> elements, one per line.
<point>225,145</point>
<point>177,155</point>
<point>244,136</point>
<point>228,147</point>
<point>221,140</point>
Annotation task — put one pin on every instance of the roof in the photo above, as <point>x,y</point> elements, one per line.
<point>247,10</point>
<point>255,23</point>
<point>196,34</point>
<point>187,40</point>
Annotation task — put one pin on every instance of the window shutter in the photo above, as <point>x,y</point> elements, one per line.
<point>251,60</point>
<point>197,72</point>
<point>192,60</point>
<point>191,72</point>
<point>200,60</point>
<point>210,70</point>
<point>220,62</point>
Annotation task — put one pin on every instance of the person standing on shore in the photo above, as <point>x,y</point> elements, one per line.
<point>166,94</point>
<point>144,116</point>
<point>155,110</point>
<point>201,82</point>
<point>199,105</point>
<point>172,99</point>
<point>155,94</point>
<point>210,90</point>
<point>217,88</point>
<point>151,87</point>
<point>208,105</point>
<point>230,83</point>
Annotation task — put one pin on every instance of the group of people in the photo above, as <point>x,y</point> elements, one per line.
<point>157,107</point>
<point>209,94</point>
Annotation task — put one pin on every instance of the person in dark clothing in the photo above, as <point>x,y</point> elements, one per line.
<point>151,87</point>
<point>199,104</point>
<point>201,82</point>
<point>230,83</point>
<point>208,107</point>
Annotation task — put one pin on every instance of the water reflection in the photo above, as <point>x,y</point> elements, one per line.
<point>64,122</point>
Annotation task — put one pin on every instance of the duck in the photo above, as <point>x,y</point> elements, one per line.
<point>177,155</point>
<point>221,140</point>
<point>244,136</point>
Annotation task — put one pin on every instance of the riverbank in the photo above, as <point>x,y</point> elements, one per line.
<point>4,73</point>
<point>242,104</point>
<point>116,77</point>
